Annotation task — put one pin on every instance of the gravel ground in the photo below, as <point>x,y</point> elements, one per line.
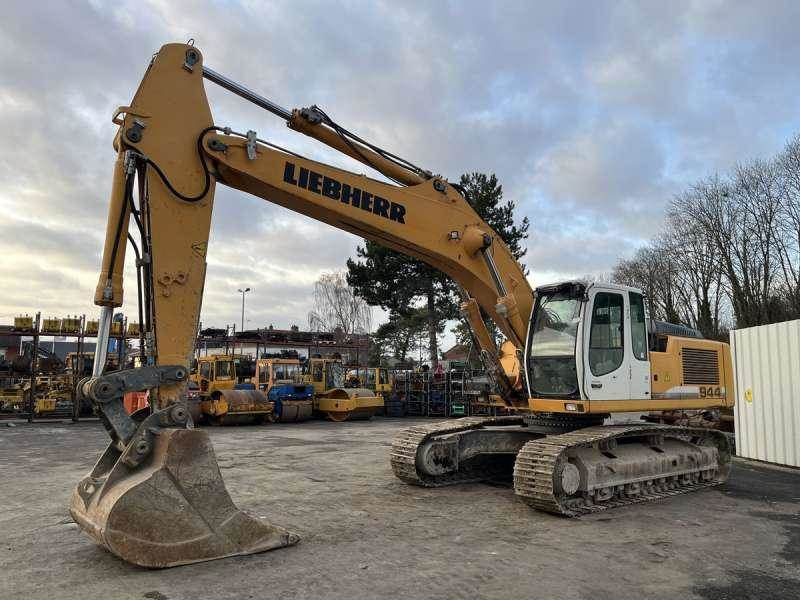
<point>366,535</point>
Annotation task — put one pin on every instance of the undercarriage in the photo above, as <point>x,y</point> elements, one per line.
<point>566,472</point>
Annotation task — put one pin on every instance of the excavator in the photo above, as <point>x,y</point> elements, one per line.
<point>573,353</point>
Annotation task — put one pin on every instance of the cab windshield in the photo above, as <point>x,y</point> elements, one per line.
<point>336,375</point>
<point>223,369</point>
<point>554,331</point>
<point>285,371</point>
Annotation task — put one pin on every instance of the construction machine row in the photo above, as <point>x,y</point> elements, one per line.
<point>230,389</point>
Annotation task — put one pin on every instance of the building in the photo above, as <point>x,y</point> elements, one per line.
<point>459,353</point>
<point>9,347</point>
<point>352,348</point>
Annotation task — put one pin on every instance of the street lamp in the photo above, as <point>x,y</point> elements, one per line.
<point>243,292</point>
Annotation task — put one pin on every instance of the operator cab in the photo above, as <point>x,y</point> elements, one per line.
<point>326,373</point>
<point>588,341</point>
<point>215,371</point>
<point>271,372</point>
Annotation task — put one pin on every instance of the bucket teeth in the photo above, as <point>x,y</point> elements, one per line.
<point>172,510</point>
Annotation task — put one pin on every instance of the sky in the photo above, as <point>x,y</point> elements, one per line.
<point>592,115</point>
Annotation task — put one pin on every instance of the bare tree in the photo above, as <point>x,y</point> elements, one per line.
<point>739,219</point>
<point>759,187</point>
<point>337,306</point>
<point>652,271</point>
<point>789,238</point>
<point>731,247</point>
<point>701,297</point>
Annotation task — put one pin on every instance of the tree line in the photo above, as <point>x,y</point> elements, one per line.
<point>729,252</point>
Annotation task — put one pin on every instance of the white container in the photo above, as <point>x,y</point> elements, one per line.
<point>766,363</point>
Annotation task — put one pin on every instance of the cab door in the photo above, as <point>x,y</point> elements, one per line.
<point>606,372</point>
<point>206,375</point>
<point>639,363</point>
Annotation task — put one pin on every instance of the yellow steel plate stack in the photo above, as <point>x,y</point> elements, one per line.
<point>51,326</point>
<point>70,325</point>
<point>23,323</point>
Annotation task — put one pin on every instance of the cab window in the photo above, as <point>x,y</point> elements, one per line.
<point>205,370</point>
<point>638,326</point>
<point>316,371</point>
<point>336,375</point>
<point>223,369</point>
<point>606,349</point>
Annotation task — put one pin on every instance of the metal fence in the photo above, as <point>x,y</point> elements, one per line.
<point>455,393</point>
<point>767,379</point>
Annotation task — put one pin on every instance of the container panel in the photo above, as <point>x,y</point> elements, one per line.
<point>767,381</point>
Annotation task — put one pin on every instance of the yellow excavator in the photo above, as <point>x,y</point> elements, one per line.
<point>574,353</point>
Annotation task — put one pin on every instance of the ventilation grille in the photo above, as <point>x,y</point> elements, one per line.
<point>700,366</point>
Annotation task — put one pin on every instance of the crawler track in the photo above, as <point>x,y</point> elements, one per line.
<point>408,441</point>
<point>538,464</point>
<point>536,467</point>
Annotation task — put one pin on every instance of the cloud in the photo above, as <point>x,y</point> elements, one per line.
<point>592,115</point>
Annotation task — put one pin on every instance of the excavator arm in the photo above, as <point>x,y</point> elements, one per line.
<point>168,134</point>
<point>172,153</point>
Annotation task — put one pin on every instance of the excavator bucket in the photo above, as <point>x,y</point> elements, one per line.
<point>172,509</point>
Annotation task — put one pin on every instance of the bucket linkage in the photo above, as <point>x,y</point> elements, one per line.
<point>156,497</point>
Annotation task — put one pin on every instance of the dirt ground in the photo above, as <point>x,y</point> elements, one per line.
<point>367,535</point>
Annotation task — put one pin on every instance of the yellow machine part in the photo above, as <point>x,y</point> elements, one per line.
<point>493,405</point>
<point>91,327</point>
<point>693,372</point>
<point>236,406</point>
<point>216,380</point>
<point>689,374</point>
<point>12,398</point>
<point>44,405</point>
<point>342,404</point>
<point>51,326</point>
<point>193,517</point>
<point>23,323</point>
<point>71,325</point>
<point>172,508</point>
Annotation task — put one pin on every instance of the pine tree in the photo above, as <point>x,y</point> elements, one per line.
<point>485,195</point>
